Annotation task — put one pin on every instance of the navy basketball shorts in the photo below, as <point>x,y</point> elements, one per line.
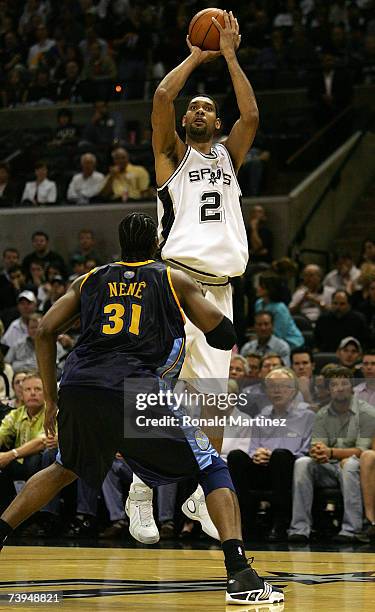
<point>91,431</point>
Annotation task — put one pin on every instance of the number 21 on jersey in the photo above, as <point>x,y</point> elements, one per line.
<point>115,320</point>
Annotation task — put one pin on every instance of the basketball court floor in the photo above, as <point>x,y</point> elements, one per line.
<point>181,579</point>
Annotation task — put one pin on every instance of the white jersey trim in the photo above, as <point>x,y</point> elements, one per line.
<point>219,144</point>
<point>179,167</point>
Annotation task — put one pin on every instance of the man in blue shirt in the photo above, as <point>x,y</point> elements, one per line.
<point>266,341</point>
<point>274,447</point>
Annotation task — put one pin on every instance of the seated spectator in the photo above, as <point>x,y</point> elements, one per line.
<point>85,44</point>
<point>302,364</point>
<point>340,322</point>
<point>58,289</point>
<point>8,191</point>
<point>342,430</point>
<point>268,465</point>
<point>256,394</point>
<point>366,390</point>
<point>311,299</point>
<point>266,341</point>
<point>22,357</point>
<point>260,237</point>
<point>22,435</point>
<point>69,89</point>
<point>99,67</point>
<point>125,181</point>
<point>41,191</point>
<point>37,52</point>
<point>17,330</point>
<point>349,354</point>
<point>43,254</point>
<point>15,92</point>
<point>17,382</point>
<point>19,284</point>
<point>86,245</point>
<point>344,274</point>
<point>8,297</point>
<point>13,52</point>
<point>367,308</point>
<point>6,377</point>
<point>253,364</point>
<point>269,292</point>
<point>105,128</point>
<point>88,183</point>
<point>367,254</point>
<point>38,281</point>
<point>66,132</point>
<point>238,369</point>
<point>361,287</point>
<point>41,90</point>
<point>286,269</point>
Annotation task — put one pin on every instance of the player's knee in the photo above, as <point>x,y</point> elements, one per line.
<point>216,476</point>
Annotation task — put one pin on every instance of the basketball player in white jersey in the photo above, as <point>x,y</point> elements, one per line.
<point>201,228</point>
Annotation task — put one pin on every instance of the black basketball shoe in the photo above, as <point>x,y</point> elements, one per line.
<point>246,587</point>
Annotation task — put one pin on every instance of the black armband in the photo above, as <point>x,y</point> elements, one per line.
<point>223,336</point>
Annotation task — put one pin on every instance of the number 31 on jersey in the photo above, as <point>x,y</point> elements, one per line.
<point>115,321</point>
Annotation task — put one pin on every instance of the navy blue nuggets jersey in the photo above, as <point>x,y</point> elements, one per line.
<point>131,326</point>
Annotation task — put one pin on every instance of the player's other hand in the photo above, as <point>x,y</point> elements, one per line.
<point>50,418</point>
<point>202,56</point>
<point>230,37</point>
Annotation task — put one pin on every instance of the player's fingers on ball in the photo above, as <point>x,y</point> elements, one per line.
<point>217,24</point>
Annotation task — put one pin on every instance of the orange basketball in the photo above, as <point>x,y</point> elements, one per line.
<point>202,31</point>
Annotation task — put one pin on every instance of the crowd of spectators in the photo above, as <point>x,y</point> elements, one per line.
<point>308,357</point>
<point>77,50</point>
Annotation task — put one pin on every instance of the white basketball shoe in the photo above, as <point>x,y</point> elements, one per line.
<point>139,509</point>
<point>195,509</point>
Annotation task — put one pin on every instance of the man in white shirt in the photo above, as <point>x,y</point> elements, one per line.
<point>43,45</point>
<point>17,330</point>
<point>311,299</point>
<point>88,183</point>
<point>42,190</point>
<point>344,274</point>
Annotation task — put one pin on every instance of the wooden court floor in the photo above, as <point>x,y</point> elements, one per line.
<point>148,579</point>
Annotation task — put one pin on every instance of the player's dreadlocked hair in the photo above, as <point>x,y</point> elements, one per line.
<point>138,236</point>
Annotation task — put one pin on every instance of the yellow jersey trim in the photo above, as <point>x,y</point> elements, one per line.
<point>86,277</point>
<point>174,293</point>
<point>135,263</point>
<point>176,360</point>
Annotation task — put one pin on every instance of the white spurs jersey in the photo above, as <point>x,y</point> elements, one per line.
<point>201,227</point>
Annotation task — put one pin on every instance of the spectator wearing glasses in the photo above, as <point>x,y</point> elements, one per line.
<point>273,451</point>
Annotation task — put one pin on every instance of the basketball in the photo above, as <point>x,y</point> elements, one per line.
<point>202,31</point>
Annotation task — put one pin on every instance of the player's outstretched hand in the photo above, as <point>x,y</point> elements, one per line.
<point>50,418</point>
<point>230,37</point>
<point>202,56</point>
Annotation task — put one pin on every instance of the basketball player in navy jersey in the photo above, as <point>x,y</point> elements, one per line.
<point>201,228</point>
<point>132,326</point>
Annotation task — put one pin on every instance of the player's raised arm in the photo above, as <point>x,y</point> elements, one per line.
<point>165,139</point>
<point>243,132</point>
<point>217,328</point>
<point>54,321</point>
